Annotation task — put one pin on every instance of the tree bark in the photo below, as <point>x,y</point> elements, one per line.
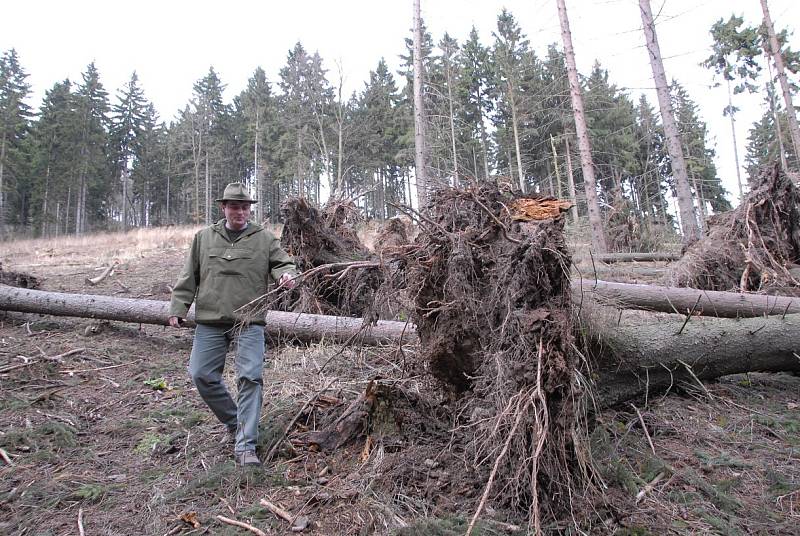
<point>636,257</point>
<point>794,128</point>
<point>571,181</point>
<point>652,358</point>
<point>584,145</point>
<point>302,327</point>
<point>420,149</point>
<point>682,300</point>
<point>685,205</point>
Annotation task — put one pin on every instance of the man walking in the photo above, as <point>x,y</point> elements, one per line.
<point>229,265</point>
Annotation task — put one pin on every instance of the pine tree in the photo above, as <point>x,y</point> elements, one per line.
<point>15,117</point>
<point>93,175</point>
<point>127,131</point>
<point>509,53</point>
<point>254,110</point>
<point>476,72</point>
<point>55,160</point>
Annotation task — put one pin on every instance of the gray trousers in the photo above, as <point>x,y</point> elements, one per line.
<point>206,365</point>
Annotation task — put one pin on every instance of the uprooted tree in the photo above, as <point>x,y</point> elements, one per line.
<point>750,248</point>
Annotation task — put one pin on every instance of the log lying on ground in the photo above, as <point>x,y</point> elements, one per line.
<point>683,300</point>
<point>651,358</point>
<point>713,347</point>
<point>279,324</point>
<point>631,257</point>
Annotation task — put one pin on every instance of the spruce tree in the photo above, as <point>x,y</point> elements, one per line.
<point>15,117</point>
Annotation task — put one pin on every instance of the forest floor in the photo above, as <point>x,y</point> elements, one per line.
<point>115,435</point>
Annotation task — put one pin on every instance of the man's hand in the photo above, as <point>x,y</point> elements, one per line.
<point>175,321</point>
<point>287,281</point>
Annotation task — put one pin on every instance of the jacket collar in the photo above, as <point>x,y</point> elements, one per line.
<point>252,228</point>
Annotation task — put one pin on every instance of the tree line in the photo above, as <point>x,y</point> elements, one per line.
<point>86,160</point>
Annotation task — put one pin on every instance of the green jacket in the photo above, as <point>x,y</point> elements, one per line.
<point>220,276</point>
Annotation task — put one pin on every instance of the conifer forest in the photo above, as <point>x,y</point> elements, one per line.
<point>90,158</point>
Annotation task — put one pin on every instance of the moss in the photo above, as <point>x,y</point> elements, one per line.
<point>60,435</point>
<point>716,493</point>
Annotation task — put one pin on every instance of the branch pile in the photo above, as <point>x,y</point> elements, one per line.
<point>489,279</point>
<point>751,248</point>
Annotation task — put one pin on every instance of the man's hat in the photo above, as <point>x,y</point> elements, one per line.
<point>236,191</point>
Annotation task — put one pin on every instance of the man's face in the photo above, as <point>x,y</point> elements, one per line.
<point>237,213</point>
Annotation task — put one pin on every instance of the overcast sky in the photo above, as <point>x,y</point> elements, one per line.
<point>172,43</point>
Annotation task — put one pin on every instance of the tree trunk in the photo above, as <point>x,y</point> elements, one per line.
<point>685,205</point>
<point>638,360</point>
<point>571,182</point>
<point>590,185</point>
<point>634,257</point>
<point>420,141</point>
<point>515,128</point>
<point>302,327</point>
<point>682,300</point>
<point>2,185</point>
<point>652,358</point>
<point>735,148</point>
<point>777,57</point>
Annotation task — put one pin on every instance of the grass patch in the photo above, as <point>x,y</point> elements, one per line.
<point>89,492</point>
<point>446,526</point>
<point>147,443</point>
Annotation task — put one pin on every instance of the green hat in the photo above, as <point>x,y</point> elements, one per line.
<point>236,191</point>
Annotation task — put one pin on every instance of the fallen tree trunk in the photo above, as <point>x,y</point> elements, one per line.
<point>683,300</point>
<point>640,359</point>
<point>651,358</point>
<point>279,324</point>
<point>632,257</point>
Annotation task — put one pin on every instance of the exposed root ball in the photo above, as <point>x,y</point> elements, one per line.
<point>490,288</point>
<point>750,248</point>
<point>323,237</point>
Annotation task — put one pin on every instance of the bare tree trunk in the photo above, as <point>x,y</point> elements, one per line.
<point>773,108</point>
<point>571,181</point>
<point>644,359</point>
<point>2,184</point>
<point>124,180</point>
<point>256,177</point>
<point>514,126</point>
<point>420,138</point>
<point>685,205</point>
<point>682,300</point>
<point>735,148</point>
<point>777,57</point>
<point>208,191</point>
<point>652,358</point>
<point>452,123</point>
<point>590,185</point>
<point>557,193</point>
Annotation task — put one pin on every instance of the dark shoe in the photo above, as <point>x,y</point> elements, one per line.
<point>247,458</point>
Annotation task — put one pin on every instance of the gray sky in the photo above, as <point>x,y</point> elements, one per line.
<point>172,43</point>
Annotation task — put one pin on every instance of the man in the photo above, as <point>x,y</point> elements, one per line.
<point>229,265</point>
